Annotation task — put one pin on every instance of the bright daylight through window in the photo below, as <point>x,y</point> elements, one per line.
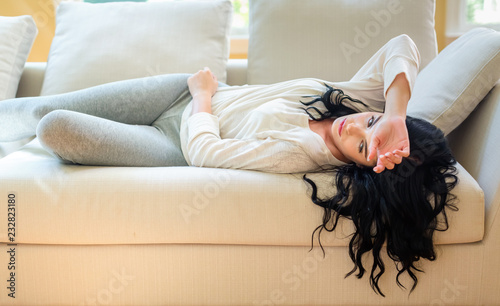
<point>483,12</point>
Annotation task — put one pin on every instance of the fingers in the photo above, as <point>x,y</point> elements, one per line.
<point>383,163</point>
<point>393,158</point>
<point>403,153</point>
<point>378,168</point>
<point>203,82</point>
<point>373,149</point>
<point>388,161</point>
<point>206,72</point>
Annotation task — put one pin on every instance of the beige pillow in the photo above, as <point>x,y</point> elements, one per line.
<point>331,39</point>
<point>101,43</point>
<point>452,85</point>
<point>17,36</point>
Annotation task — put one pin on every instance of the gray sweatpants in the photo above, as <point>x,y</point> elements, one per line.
<point>125,123</point>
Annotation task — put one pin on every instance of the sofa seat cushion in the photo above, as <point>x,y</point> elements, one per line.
<point>57,203</point>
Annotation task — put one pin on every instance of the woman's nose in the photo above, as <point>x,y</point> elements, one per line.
<point>353,129</point>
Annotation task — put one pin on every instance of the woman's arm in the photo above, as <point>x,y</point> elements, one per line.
<point>398,95</point>
<point>385,83</point>
<point>390,139</point>
<point>205,148</point>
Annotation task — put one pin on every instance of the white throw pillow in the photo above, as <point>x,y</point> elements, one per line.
<point>17,35</point>
<point>452,85</point>
<point>101,43</point>
<point>331,39</point>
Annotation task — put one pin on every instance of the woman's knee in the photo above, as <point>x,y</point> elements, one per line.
<point>52,129</point>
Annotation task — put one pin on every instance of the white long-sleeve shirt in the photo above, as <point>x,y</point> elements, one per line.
<point>265,127</point>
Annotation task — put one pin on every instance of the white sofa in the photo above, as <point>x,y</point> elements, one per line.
<point>198,236</point>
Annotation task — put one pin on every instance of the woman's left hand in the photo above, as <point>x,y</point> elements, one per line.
<point>202,86</point>
<point>390,142</point>
<point>204,82</point>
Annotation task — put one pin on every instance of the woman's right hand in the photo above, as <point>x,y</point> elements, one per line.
<point>390,143</point>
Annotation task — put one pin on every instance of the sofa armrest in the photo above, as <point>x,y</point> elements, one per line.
<point>31,81</point>
<point>237,72</point>
<point>476,143</point>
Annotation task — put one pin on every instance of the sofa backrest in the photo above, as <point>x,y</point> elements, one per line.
<point>331,39</point>
<point>476,143</point>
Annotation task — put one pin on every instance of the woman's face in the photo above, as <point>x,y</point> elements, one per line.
<point>352,136</point>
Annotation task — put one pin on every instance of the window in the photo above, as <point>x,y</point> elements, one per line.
<point>240,18</point>
<point>481,12</point>
<point>463,15</point>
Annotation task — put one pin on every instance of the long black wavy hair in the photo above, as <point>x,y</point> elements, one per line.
<point>399,208</point>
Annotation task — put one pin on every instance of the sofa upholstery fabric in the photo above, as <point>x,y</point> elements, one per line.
<point>200,236</point>
<point>17,36</point>
<point>135,48</point>
<point>72,204</point>
<point>331,39</point>
<point>452,85</point>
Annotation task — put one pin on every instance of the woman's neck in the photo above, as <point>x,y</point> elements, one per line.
<point>324,129</point>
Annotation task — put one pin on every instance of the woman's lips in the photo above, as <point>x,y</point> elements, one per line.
<point>341,126</point>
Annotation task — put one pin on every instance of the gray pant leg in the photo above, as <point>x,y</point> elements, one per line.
<point>138,101</point>
<point>88,140</point>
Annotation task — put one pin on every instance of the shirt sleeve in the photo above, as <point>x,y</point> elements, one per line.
<point>370,83</point>
<point>205,148</point>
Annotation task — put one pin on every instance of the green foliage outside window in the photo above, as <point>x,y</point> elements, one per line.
<point>240,18</point>
<point>483,11</point>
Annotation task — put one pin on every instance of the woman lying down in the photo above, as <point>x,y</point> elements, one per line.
<point>393,173</point>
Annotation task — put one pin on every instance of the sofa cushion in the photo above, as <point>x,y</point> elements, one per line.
<point>452,85</point>
<point>70,204</point>
<point>101,43</point>
<point>17,36</point>
<point>314,38</point>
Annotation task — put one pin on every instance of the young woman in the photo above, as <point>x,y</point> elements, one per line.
<point>354,129</point>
